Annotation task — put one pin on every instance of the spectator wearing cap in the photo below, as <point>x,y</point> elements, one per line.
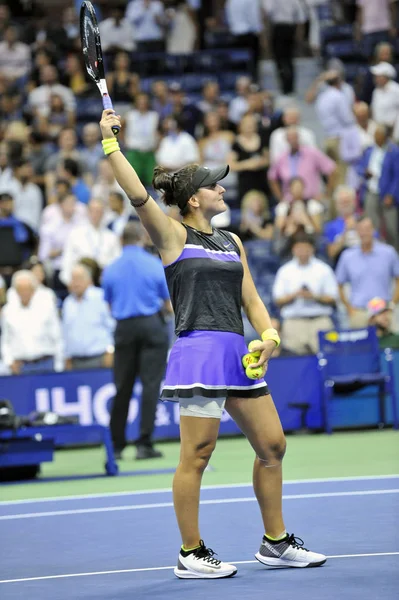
<point>306,291</point>
<point>341,232</point>
<point>381,316</point>
<point>306,162</point>
<point>385,97</point>
<point>278,140</point>
<point>87,324</point>
<point>177,148</point>
<point>379,170</point>
<point>148,20</point>
<point>371,269</point>
<point>31,340</point>
<point>141,137</point>
<point>116,32</point>
<point>383,52</point>
<point>375,22</point>
<point>92,240</point>
<point>15,56</point>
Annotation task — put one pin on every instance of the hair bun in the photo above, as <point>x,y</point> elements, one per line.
<point>164,181</point>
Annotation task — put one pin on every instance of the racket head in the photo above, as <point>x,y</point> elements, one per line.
<point>91,42</point>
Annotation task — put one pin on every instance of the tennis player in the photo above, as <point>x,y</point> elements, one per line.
<point>209,280</point>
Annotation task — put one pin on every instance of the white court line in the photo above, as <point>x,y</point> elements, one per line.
<point>143,570</point>
<point>204,487</point>
<point>104,509</point>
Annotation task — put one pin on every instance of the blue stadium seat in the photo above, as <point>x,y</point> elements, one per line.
<point>345,49</point>
<point>336,33</point>
<point>88,109</point>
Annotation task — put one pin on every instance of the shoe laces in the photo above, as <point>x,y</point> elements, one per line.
<point>206,554</point>
<point>296,542</point>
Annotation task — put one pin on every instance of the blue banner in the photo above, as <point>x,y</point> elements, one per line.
<point>88,394</point>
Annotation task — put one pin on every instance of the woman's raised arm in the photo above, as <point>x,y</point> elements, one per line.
<point>166,233</point>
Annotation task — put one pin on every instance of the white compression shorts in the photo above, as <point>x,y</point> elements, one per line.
<point>202,407</point>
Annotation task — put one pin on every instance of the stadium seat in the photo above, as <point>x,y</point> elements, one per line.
<point>336,33</point>
<point>351,360</point>
<point>344,49</point>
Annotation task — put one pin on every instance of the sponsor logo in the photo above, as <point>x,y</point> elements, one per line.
<point>346,336</point>
<point>228,246</point>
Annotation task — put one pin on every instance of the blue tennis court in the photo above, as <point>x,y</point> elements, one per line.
<point>123,546</point>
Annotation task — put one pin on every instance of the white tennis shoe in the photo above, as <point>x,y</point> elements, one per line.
<point>201,564</point>
<point>288,552</point>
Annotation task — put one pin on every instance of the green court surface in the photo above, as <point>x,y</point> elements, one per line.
<point>308,456</point>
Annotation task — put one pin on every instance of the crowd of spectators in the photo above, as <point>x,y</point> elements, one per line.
<point>319,217</point>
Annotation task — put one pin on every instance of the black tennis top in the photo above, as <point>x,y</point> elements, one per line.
<point>205,283</point>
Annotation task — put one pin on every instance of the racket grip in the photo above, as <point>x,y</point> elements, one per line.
<point>107,103</point>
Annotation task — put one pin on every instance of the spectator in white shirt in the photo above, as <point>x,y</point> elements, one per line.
<point>278,140</point>
<point>141,138</point>
<point>244,20</point>
<point>15,56</point>
<point>306,291</point>
<point>119,214</point>
<point>87,324</point>
<point>116,32</point>
<point>28,197</point>
<point>93,240</point>
<point>365,126</point>
<point>147,17</point>
<point>54,235</point>
<point>385,97</point>
<point>52,213</point>
<point>43,294</point>
<point>39,98</point>
<point>177,148</point>
<point>31,340</point>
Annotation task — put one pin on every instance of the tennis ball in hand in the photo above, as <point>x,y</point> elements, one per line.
<point>255,373</point>
<point>255,353</point>
<point>248,359</point>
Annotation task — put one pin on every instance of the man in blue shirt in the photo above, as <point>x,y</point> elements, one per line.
<point>135,287</point>
<point>87,323</point>
<point>370,269</point>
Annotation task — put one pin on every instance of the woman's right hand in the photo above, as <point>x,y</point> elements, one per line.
<point>108,120</point>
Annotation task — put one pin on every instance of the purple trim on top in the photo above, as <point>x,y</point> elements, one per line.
<point>203,253</point>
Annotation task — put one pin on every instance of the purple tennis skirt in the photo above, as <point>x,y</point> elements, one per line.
<point>208,364</point>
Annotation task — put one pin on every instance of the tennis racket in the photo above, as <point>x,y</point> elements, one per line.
<point>93,54</point>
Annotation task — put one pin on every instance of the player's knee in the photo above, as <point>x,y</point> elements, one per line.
<point>273,452</point>
<point>202,454</point>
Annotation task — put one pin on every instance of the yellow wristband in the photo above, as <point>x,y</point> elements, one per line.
<point>110,145</point>
<point>271,334</point>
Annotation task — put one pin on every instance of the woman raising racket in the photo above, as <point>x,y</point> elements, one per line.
<point>209,280</point>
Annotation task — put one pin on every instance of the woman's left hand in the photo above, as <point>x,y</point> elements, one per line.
<point>266,349</point>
